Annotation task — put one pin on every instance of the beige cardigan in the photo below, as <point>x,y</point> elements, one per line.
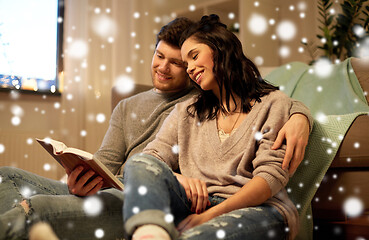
<point>183,142</point>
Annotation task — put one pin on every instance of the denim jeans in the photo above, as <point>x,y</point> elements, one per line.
<point>153,195</point>
<point>71,217</point>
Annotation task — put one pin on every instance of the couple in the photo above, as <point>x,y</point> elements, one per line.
<point>221,141</point>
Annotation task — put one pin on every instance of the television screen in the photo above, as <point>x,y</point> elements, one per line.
<point>30,44</point>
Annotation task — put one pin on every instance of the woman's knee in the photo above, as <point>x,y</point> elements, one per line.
<point>145,162</point>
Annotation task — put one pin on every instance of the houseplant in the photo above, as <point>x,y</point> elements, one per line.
<point>343,35</point>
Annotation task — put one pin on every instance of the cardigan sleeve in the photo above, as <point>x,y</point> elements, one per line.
<point>165,145</point>
<point>267,162</point>
<point>299,107</point>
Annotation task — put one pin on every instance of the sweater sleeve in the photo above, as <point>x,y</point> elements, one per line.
<point>267,162</point>
<point>113,147</point>
<point>299,107</point>
<point>165,145</point>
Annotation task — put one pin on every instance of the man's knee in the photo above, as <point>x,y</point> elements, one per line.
<point>25,206</point>
<point>10,172</point>
<point>5,171</point>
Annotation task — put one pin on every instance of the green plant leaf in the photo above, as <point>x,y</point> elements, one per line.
<point>330,20</point>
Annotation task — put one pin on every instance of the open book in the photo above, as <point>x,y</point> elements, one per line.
<point>70,158</point>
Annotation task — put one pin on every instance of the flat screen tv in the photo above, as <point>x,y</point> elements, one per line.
<point>31,33</point>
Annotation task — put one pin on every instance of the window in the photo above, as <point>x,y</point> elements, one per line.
<point>31,45</point>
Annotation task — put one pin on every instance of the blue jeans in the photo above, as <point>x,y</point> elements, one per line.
<point>153,195</point>
<point>71,217</point>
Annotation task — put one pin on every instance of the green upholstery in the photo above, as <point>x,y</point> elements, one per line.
<point>334,101</point>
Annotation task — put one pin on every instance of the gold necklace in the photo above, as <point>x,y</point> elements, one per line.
<point>228,114</point>
<point>234,124</point>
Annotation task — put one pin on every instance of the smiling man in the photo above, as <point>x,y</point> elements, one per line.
<point>167,69</point>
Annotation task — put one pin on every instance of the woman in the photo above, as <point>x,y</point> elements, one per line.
<point>231,184</point>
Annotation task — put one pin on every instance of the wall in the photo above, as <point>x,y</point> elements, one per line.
<point>119,38</point>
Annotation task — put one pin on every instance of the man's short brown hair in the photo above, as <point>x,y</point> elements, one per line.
<point>171,33</point>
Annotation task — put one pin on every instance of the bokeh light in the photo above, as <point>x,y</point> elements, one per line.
<point>78,49</point>
<point>2,148</point>
<point>353,207</point>
<point>124,84</point>
<point>100,118</point>
<point>104,26</point>
<point>286,30</point>
<point>323,67</point>
<point>99,233</point>
<point>257,24</point>
<point>220,234</point>
<point>92,206</point>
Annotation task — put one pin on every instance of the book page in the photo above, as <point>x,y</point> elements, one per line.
<point>70,158</point>
<point>85,155</point>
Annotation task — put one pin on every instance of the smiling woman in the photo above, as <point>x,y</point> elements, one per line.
<point>30,52</point>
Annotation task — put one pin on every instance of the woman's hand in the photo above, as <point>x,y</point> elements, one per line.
<point>196,192</point>
<point>77,185</point>
<point>193,220</point>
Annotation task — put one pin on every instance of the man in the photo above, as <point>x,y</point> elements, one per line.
<point>134,123</point>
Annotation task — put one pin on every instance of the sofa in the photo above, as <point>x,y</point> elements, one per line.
<point>346,177</point>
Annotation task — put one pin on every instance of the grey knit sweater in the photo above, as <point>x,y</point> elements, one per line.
<point>134,123</point>
<point>195,148</point>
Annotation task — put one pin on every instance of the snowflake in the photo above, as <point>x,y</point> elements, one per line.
<point>104,26</point>
<point>17,110</point>
<point>100,118</point>
<point>78,49</point>
<point>26,192</point>
<point>220,234</point>
<point>16,120</point>
<point>175,149</point>
<point>286,30</point>
<point>284,51</point>
<point>92,206</point>
<point>323,67</point>
<point>99,233</point>
<point>83,133</point>
<point>142,190</point>
<point>257,24</point>
<point>136,15</point>
<point>57,105</point>
<point>102,67</point>
<point>47,167</point>
<point>353,207</point>
<point>124,84</point>
<point>258,136</point>
<point>271,233</point>
<point>135,210</point>
<point>169,218</point>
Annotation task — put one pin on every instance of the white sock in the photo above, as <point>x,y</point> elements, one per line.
<point>150,232</point>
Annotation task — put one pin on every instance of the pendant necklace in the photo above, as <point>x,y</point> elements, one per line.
<point>226,115</point>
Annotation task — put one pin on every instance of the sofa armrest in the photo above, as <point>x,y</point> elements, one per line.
<point>361,69</point>
<point>353,151</point>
